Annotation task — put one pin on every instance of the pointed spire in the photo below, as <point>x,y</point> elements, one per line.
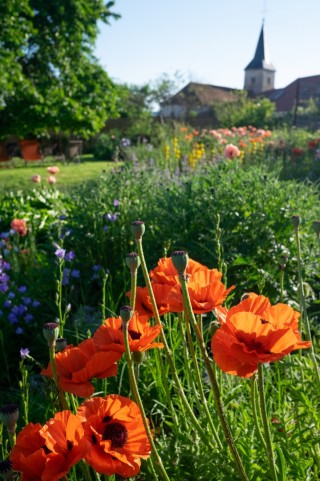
<point>261,59</point>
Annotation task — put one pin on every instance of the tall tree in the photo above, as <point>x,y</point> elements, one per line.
<point>50,79</point>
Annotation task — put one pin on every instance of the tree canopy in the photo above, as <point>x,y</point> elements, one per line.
<point>51,81</point>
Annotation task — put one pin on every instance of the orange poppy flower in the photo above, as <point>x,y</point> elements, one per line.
<point>246,340</point>
<point>205,289</point>
<point>19,226</point>
<point>141,334</point>
<point>47,453</point>
<point>143,303</point>
<point>76,366</point>
<point>166,273</point>
<point>114,427</point>
<point>279,315</point>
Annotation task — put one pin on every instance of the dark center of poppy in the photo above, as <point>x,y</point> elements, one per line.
<point>263,321</point>
<point>106,419</point>
<point>134,335</point>
<point>46,449</point>
<point>5,466</point>
<point>116,433</point>
<point>69,445</point>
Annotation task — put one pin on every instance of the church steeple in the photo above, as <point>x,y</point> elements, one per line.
<point>260,73</point>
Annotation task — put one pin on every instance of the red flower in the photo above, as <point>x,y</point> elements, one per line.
<point>76,366</point>
<point>166,273</point>
<point>141,334</point>
<point>47,453</point>
<point>279,315</point>
<point>143,303</point>
<point>205,289</point>
<point>114,427</point>
<point>19,226</point>
<point>246,340</point>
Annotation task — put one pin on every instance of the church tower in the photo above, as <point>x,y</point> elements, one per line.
<point>259,73</point>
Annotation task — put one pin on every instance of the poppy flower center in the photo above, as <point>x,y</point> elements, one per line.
<point>134,335</point>
<point>252,344</point>
<point>116,433</point>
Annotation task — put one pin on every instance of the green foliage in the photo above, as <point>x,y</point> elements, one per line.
<point>52,82</point>
<point>225,214</point>
<point>245,111</point>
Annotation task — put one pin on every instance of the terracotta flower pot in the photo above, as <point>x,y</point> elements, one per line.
<point>30,150</point>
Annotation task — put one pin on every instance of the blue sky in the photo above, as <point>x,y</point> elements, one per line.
<point>209,41</point>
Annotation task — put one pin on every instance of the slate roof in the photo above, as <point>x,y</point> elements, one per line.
<point>261,58</point>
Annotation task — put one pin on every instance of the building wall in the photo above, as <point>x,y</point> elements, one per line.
<point>259,80</point>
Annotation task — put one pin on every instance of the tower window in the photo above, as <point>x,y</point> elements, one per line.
<point>253,80</point>
<point>268,80</point>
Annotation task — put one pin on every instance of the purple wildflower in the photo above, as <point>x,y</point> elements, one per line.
<point>75,273</point>
<point>65,276</point>
<point>116,202</point>
<point>19,330</point>
<point>11,295</point>
<point>60,253</point>
<point>36,304</point>
<point>7,303</point>
<point>22,289</point>
<point>112,217</point>
<point>24,352</point>
<point>4,287</point>
<point>26,301</point>
<point>12,318</point>
<point>70,256</point>
<point>96,268</point>
<point>28,318</point>
<point>105,228</point>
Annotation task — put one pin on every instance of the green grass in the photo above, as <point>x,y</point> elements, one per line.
<point>70,175</point>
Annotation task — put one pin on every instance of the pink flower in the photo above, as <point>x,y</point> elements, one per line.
<point>53,170</point>
<point>19,226</point>
<point>51,179</point>
<point>36,178</point>
<point>231,151</point>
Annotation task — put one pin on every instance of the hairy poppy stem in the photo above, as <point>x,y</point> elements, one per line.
<point>103,305</point>
<point>267,433</point>
<point>133,295</point>
<point>137,398</point>
<point>199,384</point>
<point>255,408</point>
<point>62,399</point>
<point>177,383</point>
<point>219,403</point>
<point>303,307</point>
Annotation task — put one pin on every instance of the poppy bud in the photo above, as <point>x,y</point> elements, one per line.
<point>61,344</point>
<point>244,296</point>
<point>126,313</point>
<point>316,226</point>
<point>138,228</point>
<point>6,471</point>
<point>9,415</point>
<point>180,261</point>
<point>51,332</point>
<point>137,357</point>
<point>296,221</point>
<point>133,261</point>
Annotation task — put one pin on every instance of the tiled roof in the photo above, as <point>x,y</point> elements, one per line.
<point>201,94</point>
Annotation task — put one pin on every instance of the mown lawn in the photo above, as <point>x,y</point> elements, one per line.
<point>19,176</point>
